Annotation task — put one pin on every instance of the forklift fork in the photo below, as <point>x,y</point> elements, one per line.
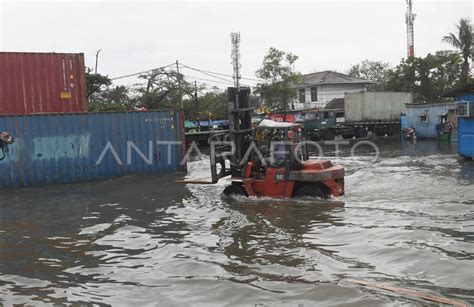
<point>219,160</point>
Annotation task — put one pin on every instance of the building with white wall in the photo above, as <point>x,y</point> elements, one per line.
<point>317,89</point>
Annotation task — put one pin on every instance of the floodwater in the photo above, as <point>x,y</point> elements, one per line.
<point>406,220</point>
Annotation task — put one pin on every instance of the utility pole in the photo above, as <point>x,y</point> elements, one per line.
<point>179,85</point>
<point>197,105</point>
<point>97,60</point>
<point>409,21</point>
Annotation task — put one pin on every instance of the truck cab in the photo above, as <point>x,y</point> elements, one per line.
<point>323,124</point>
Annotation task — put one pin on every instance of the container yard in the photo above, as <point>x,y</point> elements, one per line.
<point>138,167</point>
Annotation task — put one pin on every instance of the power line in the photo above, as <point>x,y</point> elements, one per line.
<point>215,81</point>
<point>216,73</point>
<point>141,72</point>
<point>227,80</point>
<point>208,73</point>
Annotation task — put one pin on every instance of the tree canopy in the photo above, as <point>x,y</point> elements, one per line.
<point>371,70</point>
<point>95,82</point>
<point>113,98</point>
<point>160,89</point>
<point>426,77</point>
<point>279,78</point>
<point>463,40</point>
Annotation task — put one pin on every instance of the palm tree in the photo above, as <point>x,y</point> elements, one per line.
<point>464,42</point>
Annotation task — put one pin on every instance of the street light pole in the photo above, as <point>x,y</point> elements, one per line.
<point>97,60</point>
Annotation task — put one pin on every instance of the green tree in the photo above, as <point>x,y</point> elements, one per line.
<point>426,77</point>
<point>463,40</point>
<point>95,83</point>
<point>371,70</point>
<point>164,89</point>
<point>279,75</point>
<point>213,104</point>
<point>112,99</point>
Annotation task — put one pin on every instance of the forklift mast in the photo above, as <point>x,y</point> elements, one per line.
<point>240,131</point>
<point>240,121</point>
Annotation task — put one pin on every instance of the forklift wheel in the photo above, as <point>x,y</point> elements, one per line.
<point>233,190</point>
<point>310,191</point>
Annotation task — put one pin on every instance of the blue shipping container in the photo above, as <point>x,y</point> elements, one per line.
<point>58,148</point>
<point>466,126</point>
<point>403,121</point>
<point>466,136</point>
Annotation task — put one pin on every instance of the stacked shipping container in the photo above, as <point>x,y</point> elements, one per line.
<point>32,83</point>
<point>43,105</point>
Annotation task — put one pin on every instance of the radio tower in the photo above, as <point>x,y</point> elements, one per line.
<point>409,20</point>
<point>235,37</point>
<point>234,117</point>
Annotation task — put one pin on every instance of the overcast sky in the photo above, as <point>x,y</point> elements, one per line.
<point>136,36</point>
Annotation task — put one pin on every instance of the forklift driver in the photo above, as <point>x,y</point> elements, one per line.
<point>279,152</point>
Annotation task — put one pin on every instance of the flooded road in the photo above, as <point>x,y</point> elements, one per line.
<point>407,220</point>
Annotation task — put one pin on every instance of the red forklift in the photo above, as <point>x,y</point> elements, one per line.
<point>271,160</point>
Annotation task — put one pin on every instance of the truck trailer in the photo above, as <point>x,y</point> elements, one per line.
<point>364,112</point>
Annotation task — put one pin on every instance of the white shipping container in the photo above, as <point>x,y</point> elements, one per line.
<point>375,106</point>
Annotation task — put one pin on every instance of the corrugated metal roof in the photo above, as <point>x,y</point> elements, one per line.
<point>428,105</point>
<point>331,77</point>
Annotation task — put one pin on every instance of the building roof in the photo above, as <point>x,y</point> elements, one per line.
<point>432,104</point>
<point>336,103</point>
<point>331,77</point>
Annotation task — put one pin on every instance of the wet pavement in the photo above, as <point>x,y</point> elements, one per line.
<point>406,220</point>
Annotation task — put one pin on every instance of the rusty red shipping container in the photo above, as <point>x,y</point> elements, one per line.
<point>33,83</point>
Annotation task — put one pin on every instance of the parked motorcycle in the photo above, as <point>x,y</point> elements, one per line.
<point>409,133</point>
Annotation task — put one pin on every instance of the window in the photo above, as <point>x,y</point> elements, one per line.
<point>423,117</point>
<point>314,93</point>
<point>311,116</point>
<point>340,117</point>
<point>443,117</point>
<point>301,94</point>
<point>462,109</point>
